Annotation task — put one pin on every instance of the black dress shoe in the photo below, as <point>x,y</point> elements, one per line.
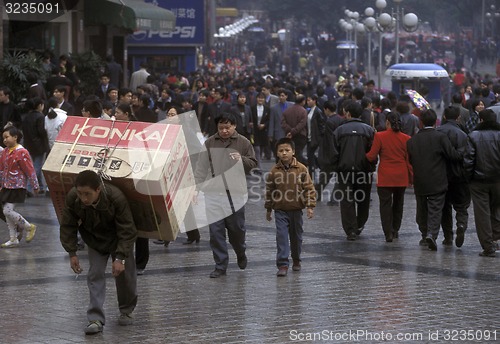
<point>217,273</point>
<point>448,242</point>
<point>431,243</point>
<point>487,254</point>
<point>395,234</point>
<point>359,230</point>
<point>459,240</point>
<point>192,236</point>
<point>351,237</point>
<point>242,262</point>
<point>190,241</point>
<point>422,242</point>
<point>162,242</point>
<point>388,238</point>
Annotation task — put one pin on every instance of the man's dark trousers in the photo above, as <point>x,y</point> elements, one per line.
<point>486,202</point>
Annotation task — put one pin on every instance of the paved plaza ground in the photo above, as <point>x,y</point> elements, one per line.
<point>365,291</point>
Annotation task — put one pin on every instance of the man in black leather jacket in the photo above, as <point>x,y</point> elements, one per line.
<point>458,193</point>
<point>482,165</point>
<point>351,141</point>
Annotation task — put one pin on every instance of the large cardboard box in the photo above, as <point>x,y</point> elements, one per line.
<point>149,162</point>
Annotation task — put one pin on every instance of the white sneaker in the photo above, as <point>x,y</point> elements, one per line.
<point>13,242</point>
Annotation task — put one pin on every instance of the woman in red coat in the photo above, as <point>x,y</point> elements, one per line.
<point>394,174</point>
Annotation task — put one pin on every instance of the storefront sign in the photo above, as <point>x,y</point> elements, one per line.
<point>189,29</point>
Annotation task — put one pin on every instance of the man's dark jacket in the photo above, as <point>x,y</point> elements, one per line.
<point>482,157</point>
<point>429,151</point>
<point>351,141</point>
<point>108,227</point>
<point>458,139</point>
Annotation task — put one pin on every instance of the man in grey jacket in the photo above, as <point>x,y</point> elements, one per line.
<point>219,175</point>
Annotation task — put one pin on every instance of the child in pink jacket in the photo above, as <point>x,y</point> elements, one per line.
<point>16,169</point>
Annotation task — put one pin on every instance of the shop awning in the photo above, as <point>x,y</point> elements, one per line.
<point>128,14</point>
<point>226,12</point>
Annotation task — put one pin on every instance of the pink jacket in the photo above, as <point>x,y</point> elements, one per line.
<point>16,168</point>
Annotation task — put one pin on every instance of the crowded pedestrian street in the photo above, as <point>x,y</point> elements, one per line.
<point>367,290</point>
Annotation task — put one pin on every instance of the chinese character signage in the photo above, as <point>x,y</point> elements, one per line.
<point>189,25</point>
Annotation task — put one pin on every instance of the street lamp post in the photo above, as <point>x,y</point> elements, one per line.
<point>385,22</point>
<point>352,26</point>
<point>396,31</point>
<point>382,23</point>
<point>493,16</point>
<point>370,24</point>
<point>409,21</point>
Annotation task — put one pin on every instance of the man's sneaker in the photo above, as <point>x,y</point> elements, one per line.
<point>93,327</point>
<point>296,265</point>
<point>140,272</point>
<point>282,271</point>
<point>31,233</point>
<point>125,319</point>
<point>351,236</point>
<point>13,242</point>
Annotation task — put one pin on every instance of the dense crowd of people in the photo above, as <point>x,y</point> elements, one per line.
<point>317,127</point>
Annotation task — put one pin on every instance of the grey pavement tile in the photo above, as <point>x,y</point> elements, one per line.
<point>366,285</point>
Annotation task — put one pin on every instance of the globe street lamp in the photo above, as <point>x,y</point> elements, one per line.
<point>352,25</point>
<point>370,24</point>
<point>385,23</point>
<point>492,17</point>
<point>410,23</point>
<point>347,27</point>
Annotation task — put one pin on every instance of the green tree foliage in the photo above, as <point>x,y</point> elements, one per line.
<point>88,67</point>
<point>14,72</point>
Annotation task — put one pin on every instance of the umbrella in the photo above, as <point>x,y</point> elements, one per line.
<point>347,46</point>
<point>418,100</point>
<point>256,29</point>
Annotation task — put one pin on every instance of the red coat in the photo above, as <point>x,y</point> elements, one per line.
<point>394,168</point>
<point>16,169</point>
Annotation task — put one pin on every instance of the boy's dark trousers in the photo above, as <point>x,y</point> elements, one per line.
<point>288,226</point>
